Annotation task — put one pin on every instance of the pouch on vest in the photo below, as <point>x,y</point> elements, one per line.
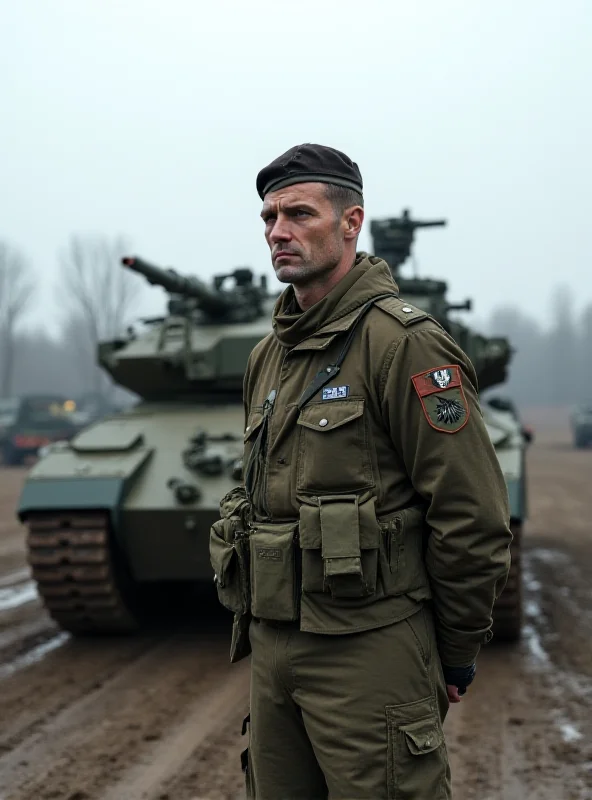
<point>339,537</point>
<point>274,590</point>
<point>229,552</point>
<point>402,566</point>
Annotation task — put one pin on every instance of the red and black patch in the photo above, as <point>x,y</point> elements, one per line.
<point>442,398</point>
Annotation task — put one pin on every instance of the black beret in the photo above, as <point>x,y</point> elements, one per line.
<point>309,163</point>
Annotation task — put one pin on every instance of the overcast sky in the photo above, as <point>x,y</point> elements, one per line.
<point>151,118</point>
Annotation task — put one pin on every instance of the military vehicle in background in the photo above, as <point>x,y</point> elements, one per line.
<point>30,422</point>
<point>393,240</point>
<point>581,425</point>
<point>125,508</point>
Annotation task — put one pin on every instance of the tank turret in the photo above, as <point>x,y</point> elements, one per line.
<point>191,296</point>
<point>203,342</point>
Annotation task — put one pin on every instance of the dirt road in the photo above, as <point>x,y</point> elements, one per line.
<point>158,716</point>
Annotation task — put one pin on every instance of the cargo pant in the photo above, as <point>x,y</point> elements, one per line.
<point>351,717</point>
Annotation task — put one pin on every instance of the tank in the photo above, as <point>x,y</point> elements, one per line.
<point>119,516</point>
<point>393,241</point>
<point>580,420</point>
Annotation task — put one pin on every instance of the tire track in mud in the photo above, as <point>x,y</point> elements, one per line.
<point>524,729</point>
<point>86,743</point>
<point>185,742</point>
<point>14,578</point>
<point>53,675</point>
<point>25,627</point>
<point>213,771</point>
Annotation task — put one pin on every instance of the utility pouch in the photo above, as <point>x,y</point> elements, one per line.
<point>347,534</point>
<point>229,552</point>
<point>274,589</point>
<point>403,556</point>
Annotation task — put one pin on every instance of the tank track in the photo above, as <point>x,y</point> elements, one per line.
<point>77,578</point>
<point>507,612</point>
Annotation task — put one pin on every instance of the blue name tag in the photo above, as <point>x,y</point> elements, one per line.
<point>335,392</point>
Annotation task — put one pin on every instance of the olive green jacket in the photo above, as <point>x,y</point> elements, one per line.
<point>394,443</point>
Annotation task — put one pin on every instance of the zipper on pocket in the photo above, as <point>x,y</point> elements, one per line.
<point>267,412</point>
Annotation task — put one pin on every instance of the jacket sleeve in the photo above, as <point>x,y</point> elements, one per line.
<point>458,476</point>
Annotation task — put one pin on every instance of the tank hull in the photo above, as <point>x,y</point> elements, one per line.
<point>104,519</point>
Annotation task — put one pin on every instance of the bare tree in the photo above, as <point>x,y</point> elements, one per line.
<point>526,381</point>
<point>16,291</point>
<point>562,348</point>
<point>99,293</point>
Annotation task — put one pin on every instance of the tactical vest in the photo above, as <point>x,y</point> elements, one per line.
<point>337,550</point>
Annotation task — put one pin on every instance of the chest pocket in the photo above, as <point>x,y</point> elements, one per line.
<point>252,443</point>
<point>333,448</point>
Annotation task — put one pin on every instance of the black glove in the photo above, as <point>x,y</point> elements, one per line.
<point>461,677</point>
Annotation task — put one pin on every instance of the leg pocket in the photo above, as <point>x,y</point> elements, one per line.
<point>417,766</point>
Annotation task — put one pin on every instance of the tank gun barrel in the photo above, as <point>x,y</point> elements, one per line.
<point>466,305</point>
<point>431,223</point>
<point>170,280</point>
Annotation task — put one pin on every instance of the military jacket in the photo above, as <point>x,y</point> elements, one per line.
<point>388,466</point>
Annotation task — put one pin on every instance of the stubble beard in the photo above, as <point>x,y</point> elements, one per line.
<point>312,270</point>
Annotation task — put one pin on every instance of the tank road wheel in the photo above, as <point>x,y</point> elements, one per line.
<point>78,578</point>
<point>507,611</point>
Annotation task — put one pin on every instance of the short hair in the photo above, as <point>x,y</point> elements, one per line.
<point>341,197</point>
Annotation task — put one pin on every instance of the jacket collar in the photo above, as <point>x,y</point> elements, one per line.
<point>316,327</point>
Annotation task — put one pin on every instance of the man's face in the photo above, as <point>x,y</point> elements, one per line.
<point>304,235</point>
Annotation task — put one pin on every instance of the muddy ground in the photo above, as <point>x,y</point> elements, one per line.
<point>158,716</point>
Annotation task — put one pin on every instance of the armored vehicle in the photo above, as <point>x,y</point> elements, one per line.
<point>581,425</point>
<point>126,506</point>
<point>393,240</point>
<point>31,422</point>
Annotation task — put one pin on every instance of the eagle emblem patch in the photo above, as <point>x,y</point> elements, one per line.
<point>442,398</point>
<point>441,378</point>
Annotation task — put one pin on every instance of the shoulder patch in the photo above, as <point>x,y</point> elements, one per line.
<point>403,312</point>
<point>442,398</point>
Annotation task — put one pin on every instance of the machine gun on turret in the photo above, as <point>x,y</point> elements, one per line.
<point>189,295</point>
<point>394,237</point>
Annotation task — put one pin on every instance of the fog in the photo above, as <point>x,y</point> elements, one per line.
<point>150,120</point>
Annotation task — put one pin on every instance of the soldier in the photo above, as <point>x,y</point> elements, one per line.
<point>374,513</point>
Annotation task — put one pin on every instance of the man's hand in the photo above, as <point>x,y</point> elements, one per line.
<point>453,695</point>
<point>457,679</point>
